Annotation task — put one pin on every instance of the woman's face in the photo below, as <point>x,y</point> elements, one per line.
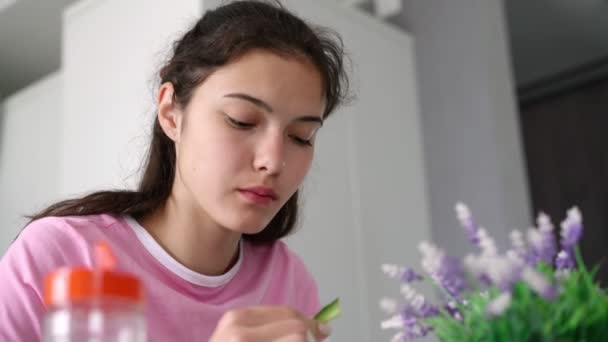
<point>245,141</point>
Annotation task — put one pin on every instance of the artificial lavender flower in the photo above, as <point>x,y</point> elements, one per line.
<point>432,257</point>
<point>408,276</point>
<point>518,246</point>
<point>405,274</point>
<point>451,308</point>
<point>445,271</point>
<point>395,322</point>
<point>408,324</point>
<point>409,319</point>
<point>547,246</point>
<point>538,283</point>
<point>572,229</point>
<point>388,305</point>
<point>494,269</point>
<point>486,243</point>
<point>399,337</point>
<point>418,303</point>
<point>467,222</point>
<point>535,243</point>
<point>564,260</point>
<point>499,304</point>
<point>501,271</point>
<point>480,264</point>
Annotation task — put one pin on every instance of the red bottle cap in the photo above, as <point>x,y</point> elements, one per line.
<point>73,284</point>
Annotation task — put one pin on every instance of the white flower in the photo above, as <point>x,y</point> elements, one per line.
<point>395,322</point>
<point>537,281</point>
<point>408,292</point>
<point>393,271</point>
<point>573,221</point>
<point>462,212</point>
<point>574,215</point>
<point>474,264</point>
<point>486,243</point>
<point>418,301</point>
<point>535,238</point>
<point>517,239</point>
<point>398,337</point>
<point>502,270</point>
<point>431,257</point>
<point>544,223</point>
<point>388,305</point>
<point>514,257</point>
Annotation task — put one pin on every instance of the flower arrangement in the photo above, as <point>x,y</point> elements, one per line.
<point>532,292</point>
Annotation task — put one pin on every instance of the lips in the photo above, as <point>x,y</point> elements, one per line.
<point>260,194</point>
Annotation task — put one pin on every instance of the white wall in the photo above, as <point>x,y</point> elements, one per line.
<point>111,52</point>
<point>30,148</point>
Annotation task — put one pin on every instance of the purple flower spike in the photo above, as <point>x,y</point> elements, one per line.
<point>518,246</point>
<point>499,304</point>
<point>504,271</point>
<point>547,247</point>
<point>405,274</point>
<point>572,228</point>
<point>539,283</point>
<point>467,222</point>
<point>408,275</point>
<point>446,272</point>
<point>453,310</point>
<point>564,260</point>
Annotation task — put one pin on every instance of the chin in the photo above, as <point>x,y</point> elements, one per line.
<point>247,227</point>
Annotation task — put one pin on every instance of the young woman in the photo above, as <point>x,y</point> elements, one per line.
<point>239,104</point>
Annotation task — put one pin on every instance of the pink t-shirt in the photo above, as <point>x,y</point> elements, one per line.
<point>181,305</point>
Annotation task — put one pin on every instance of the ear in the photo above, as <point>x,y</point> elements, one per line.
<point>169,113</point>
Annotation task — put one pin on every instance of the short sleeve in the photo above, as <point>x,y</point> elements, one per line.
<point>42,247</point>
<point>307,292</point>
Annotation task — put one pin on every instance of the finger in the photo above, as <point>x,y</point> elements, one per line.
<point>297,338</point>
<point>319,330</point>
<point>281,329</point>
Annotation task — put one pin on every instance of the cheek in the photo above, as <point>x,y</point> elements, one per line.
<point>299,167</point>
<point>216,152</point>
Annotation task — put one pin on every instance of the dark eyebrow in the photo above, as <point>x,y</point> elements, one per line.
<point>253,100</point>
<point>268,108</point>
<point>310,119</point>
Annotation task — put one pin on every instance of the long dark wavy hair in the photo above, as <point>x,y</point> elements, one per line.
<point>220,36</point>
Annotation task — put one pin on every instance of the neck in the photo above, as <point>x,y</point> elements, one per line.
<point>191,237</point>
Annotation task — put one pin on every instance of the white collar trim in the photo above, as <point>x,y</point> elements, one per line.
<point>175,266</point>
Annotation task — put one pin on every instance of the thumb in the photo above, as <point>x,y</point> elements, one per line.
<point>320,330</point>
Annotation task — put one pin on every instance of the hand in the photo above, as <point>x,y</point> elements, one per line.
<point>268,323</point>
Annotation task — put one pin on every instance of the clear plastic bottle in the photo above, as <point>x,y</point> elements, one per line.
<point>99,305</point>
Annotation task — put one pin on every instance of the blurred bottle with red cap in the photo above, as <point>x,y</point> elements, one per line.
<point>94,305</point>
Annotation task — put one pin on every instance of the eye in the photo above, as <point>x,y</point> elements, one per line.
<point>300,141</point>
<point>239,124</point>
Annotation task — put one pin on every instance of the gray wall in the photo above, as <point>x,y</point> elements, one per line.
<point>549,36</point>
<point>471,132</point>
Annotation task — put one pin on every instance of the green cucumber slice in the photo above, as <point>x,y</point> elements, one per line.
<point>329,311</point>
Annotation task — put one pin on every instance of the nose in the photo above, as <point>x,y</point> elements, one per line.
<point>270,154</point>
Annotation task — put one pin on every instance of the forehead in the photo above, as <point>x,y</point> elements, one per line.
<point>287,83</point>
